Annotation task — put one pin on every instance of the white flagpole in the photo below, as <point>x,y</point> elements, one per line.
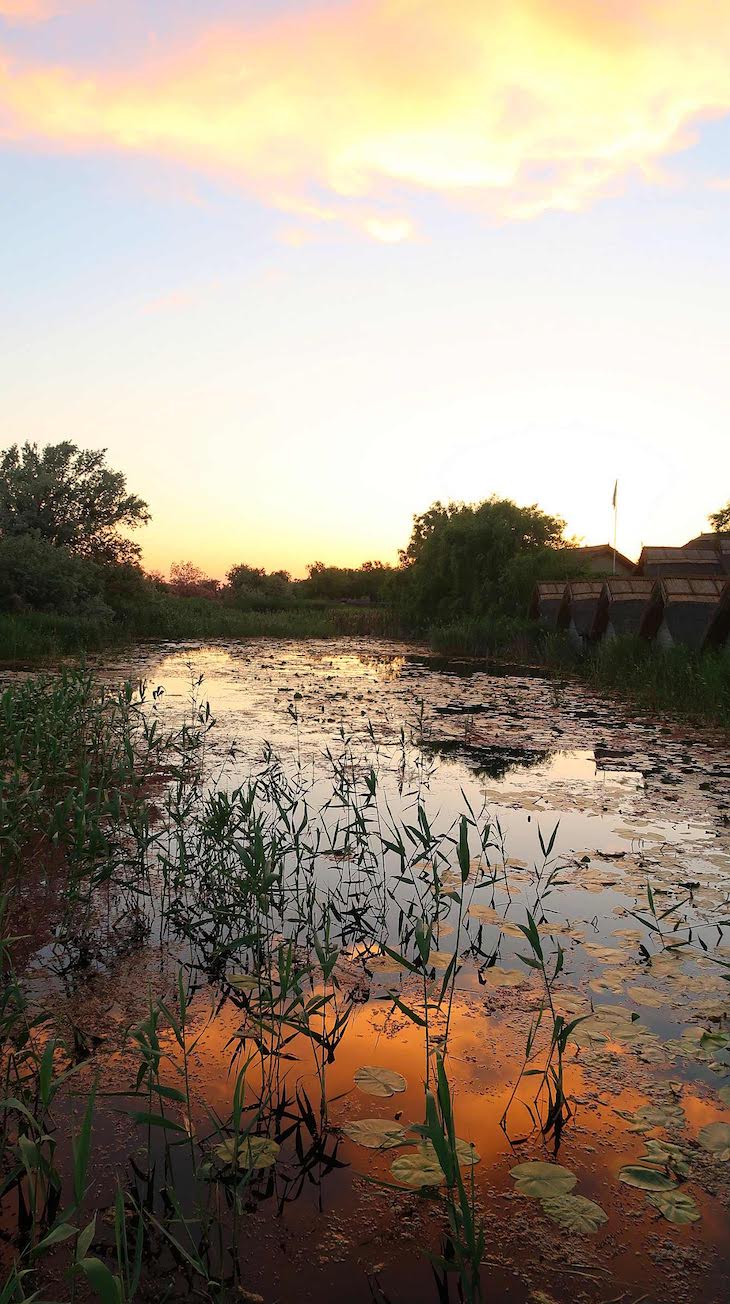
<point>615,518</point>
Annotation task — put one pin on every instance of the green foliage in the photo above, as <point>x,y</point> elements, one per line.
<point>43,636</point>
<point>675,679</point>
<point>371,582</point>
<point>69,497</point>
<point>251,586</point>
<point>487,636</point>
<point>36,574</point>
<point>720,520</point>
<point>465,559</point>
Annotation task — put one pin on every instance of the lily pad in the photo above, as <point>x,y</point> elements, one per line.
<point>666,1154</point>
<point>375,1133</point>
<point>253,1151</point>
<point>715,1137</point>
<point>649,1116</point>
<point>377,1081</point>
<point>575,1213</point>
<point>714,1041</point>
<point>496,976</point>
<point>676,1206</point>
<point>418,1168</point>
<point>647,1179</point>
<point>542,1181</point>
<point>466,1152</point>
<point>243,982</point>
<point>648,996</point>
<point>440,959</point>
<point>724,1094</point>
<point>606,954</point>
<point>611,981</point>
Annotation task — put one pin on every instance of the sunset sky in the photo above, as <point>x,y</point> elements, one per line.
<point>304,268</point>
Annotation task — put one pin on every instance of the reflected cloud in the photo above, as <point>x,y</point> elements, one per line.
<point>349,114</point>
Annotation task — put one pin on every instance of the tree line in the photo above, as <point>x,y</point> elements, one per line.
<point>66,519</point>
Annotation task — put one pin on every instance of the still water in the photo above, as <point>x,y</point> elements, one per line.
<point>609,830</point>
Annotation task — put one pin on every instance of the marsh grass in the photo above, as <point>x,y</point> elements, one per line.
<point>674,680</point>
<point>33,637</point>
<point>230,879</point>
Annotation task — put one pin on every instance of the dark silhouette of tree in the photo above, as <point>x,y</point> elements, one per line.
<point>71,498</point>
<point>367,583</point>
<point>188,581</point>
<point>720,520</point>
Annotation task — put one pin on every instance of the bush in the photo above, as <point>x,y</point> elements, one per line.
<point>37,575</point>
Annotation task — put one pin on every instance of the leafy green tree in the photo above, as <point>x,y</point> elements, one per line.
<point>188,581</point>
<point>369,582</point>
<point>474,559</point>
<point>720,520</point>
<point>36,575</point>
<point>71,498</point>
<point>252,585</point>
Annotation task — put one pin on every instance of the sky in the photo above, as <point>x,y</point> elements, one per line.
<point>304,268</point>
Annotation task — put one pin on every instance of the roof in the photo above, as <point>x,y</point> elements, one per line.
<point>685,589</point>
<point>682,556</point>
<point>717,540</point>
<point>624,586</point>
<point>577,589</point>
<point>600,549</point>
<point>550,588</point>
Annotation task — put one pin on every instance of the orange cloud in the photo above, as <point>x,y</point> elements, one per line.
<point>512,107</point>
<point>36,11</point>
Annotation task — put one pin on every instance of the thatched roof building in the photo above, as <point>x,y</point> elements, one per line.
<point>545,602</point>
<point>621,606</point>
<point>677,562</point>
<point>682,610</point>
<point>578,608</point>
<point>712,542</point>
<point>718,633</point>
<point>601,559</point>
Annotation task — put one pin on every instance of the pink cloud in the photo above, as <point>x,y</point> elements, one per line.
<point>512,108</point>
<point>37,11</point>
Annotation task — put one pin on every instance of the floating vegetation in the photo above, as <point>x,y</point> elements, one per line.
<point>203,939</point>
<point>574,1213</point>
<point>248,1152</point>
<point>645,1177</point>
<point>375,1133</point>
<point>542,1181</point>
<point>676,1206</point>
<point>375,1080</point>
<point>420,1168</point>
<point>715,1137</point>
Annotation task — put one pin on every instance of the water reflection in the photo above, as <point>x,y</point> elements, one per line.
<point>346,849</point>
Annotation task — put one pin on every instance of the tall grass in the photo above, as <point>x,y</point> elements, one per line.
<point>484,636</point>
<point>33,637</point>
<point>673,681</point>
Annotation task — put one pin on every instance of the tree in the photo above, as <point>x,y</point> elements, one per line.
<point>36,575</point>
<point>720,520</point>
<point>71,498</point>
<point>252,586</point>
<point>366,583</point>
<point>188,581</point>
<point>464,559</point>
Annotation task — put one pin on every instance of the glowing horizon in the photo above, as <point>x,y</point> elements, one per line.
<point>305,268</point>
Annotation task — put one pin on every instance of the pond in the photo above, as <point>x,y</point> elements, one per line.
<point>386,871</point>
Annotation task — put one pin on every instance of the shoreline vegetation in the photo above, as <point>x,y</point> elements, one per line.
<point>674,682</point>
<point>72,584</point>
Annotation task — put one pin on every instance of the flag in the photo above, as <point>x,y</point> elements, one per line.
<point>615,496</point>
